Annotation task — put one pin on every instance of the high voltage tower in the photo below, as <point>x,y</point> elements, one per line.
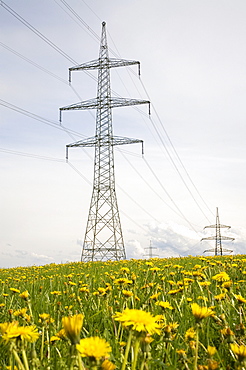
<point>103,237</point>
<point>218,238</point>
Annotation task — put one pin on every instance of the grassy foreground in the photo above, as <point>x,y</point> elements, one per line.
<point>177,313</point>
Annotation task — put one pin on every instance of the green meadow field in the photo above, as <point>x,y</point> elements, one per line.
<point>176,313</point>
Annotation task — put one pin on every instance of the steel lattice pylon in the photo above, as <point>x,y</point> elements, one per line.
<point>218,250</point>
<point>103,237</point>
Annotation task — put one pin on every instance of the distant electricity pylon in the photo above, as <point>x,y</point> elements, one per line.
<point>103,237</point>
<point>218,238</point>
<point>150,250</point>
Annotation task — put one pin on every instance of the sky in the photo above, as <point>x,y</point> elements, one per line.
<point>192,56</point>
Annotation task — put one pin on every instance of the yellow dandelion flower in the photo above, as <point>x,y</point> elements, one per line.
<point>139,320</point>
<point>201,312</point>
<point>222,276</point>
<point>6,325</point>
<point>154,296</point>
<point>127,293</point>
<point>211,351</point>
<point>174,291</point>
<point>14,290</point>
<point>239,298</point>
<point>94,348</point>
<point>54,338</point>
<point>72,326</point>
<point>125,269</point>
<point>108,365</point>
<point>28,333</point>
<point>239,351</point>
<point>164,304</point>
<point>182,353</point>
<point>24,295</point>
<point>190,334</point>
<point>21,312</point>
<point>56,292</point>
<point>122,281</point>
<point>205,283</point>
<point>220,297</point>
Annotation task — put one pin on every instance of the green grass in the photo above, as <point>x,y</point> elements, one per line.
<point>92,289</point>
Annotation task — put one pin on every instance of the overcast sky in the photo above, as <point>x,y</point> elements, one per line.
<point>193,70</point>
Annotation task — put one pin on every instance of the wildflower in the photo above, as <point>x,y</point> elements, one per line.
<point>94,347</point>
<point>220,297</point>
<point>122,281</point>
<point>61,334</point>
<point>21,312</point>
<point>45,318</point>
<point>125,269</point>
<point>56,292</point>
<point>182,353</point>
<point>140,321</point>
<point>228,334</point>
<point>108,365</point>
<point>54,338</point>
<point>127,293</point>
<point>174,291</point>
<point>211,351</point>
<point>164,304</point>
<point>239,298</point>
<point>14,290</point>
<point>201,312</point>
<point>226,284</point>
<point>28,333</point>
<point>24,295</point>
<point>72,326</point>
<point>154,296</point>
<point>205,283</point>
<point>190,334</point>
<point>222,276</point>
<point>239,351</point>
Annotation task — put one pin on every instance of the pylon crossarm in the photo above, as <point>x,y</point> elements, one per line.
<point>122,102</point>
<point>91,141</point>
<point>108,62</point>
<point>96,103</point>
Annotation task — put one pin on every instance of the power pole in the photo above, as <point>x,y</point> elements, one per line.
<point>218,238</point>
<point>103,237</point>
<point>150,249</point>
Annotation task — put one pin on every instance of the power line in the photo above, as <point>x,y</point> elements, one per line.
<point>35,156</point>
<point>38,118</point>
<point>16,15</point>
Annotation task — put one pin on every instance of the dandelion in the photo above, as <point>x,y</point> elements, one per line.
<point>24,295</point>
<point>164,305</point>
<point>72,326</point>
<point>201,312</point>
<point>239,351</point>
<point>239,298</point>
<point>14,290</point>
<point>28,333</point>
<point>221,277</point>
<point>190,334</point>
<point>94,347</point>
<point>127,293</point>
<point>211,351</point>
<point>108,365</point>
<point>220,297</point>
<point>139,320</point>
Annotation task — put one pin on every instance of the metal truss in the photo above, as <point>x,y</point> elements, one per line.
<point>103,237</point>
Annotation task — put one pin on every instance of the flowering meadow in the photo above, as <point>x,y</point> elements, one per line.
<point>176,313</point>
